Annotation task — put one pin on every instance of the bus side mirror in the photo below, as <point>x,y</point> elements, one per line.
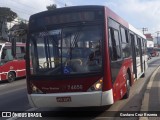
<point>13,41</point>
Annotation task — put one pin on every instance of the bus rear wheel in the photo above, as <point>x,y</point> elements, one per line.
<point>11,77</point>
<point>127,86</point>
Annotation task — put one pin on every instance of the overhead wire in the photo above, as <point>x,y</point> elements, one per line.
<point>23,10</point>
<point>18,2</point>
<point>26,12</point>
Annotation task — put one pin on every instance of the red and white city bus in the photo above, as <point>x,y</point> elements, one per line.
<point>11,66</point>
<point>82,56</point>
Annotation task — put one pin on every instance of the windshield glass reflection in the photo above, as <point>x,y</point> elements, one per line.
<point>70,50</point>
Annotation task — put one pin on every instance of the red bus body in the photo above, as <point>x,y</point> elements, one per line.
<point>81,90</point>
<point>10,67</point>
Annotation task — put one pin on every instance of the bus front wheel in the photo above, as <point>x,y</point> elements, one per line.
<point>11,77</point>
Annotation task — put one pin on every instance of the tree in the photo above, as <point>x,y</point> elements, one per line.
<point>51,7</point>
<point>7,13</point>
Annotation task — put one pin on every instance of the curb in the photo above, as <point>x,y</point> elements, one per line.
<point>145,101</point>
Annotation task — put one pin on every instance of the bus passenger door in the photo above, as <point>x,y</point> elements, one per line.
<point>138,56</point>
<point>116,61</point>
<point>140,53</point>
<point>19,61</point>
<point>132,38</point>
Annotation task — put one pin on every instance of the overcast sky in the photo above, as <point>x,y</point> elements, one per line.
<point>139,13</point>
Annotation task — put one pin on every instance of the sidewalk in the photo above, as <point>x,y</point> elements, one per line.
<point>151,100</point>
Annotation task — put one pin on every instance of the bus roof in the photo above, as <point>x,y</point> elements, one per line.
<point>67,9</point>
<point>109,12</point>
<point>133,29</point>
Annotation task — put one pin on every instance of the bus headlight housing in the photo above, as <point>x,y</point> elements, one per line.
<point>96,86</point>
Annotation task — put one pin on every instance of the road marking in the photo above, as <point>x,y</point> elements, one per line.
<point>2,85</point>
<point>31,109</point>
<point>11,91</point>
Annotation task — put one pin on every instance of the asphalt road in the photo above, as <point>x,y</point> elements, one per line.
<point>13,97</point>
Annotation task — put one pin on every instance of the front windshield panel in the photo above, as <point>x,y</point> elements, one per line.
<point>67,51</point>
<point>0,51</point>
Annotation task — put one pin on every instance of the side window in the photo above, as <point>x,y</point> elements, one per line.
<point>132,39</point>
<point>20,52</point>
<point>123,35</point>
<point>135,40</point>
<point>110,45</point>
<point>145,46</point>
<point>8,56</point>
<point>142,46</point>
<point>138,47</point>
<point>114,44</point>
<point>125,43</point>
<point>117,45</point>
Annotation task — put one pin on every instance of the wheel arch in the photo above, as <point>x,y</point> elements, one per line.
<point>13,72</point>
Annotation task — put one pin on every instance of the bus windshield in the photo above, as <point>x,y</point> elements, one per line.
<point>0,52</point>
<point>71,50</point>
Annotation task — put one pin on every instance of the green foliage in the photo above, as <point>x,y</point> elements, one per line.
<point>51,7</point>
<point>7,13</point>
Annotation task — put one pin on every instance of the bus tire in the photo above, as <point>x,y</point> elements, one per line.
<point>11,77</point>
<point>127,86</point>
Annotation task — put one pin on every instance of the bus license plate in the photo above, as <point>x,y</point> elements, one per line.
<point>63,99</point>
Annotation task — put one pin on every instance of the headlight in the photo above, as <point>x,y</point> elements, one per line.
<point>96,86</point>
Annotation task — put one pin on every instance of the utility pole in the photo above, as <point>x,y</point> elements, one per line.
<point>158,32</point>
<point>144,29</point>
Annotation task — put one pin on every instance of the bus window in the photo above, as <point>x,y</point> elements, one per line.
<point>123,35</point>
<point>20,52</point>
<point>116,51</point>
<point>110,45</point>
<point>73,49</point>
<point>125,43</point>
<point>138,47</point>
<point>47,49</point>
<point>7,55</point>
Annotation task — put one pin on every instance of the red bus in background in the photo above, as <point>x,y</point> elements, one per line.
<point>82,56</point>
<point>11,66</point>
<point>153,51</point>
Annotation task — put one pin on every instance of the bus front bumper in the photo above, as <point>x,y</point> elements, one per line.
<point>80,99</point>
